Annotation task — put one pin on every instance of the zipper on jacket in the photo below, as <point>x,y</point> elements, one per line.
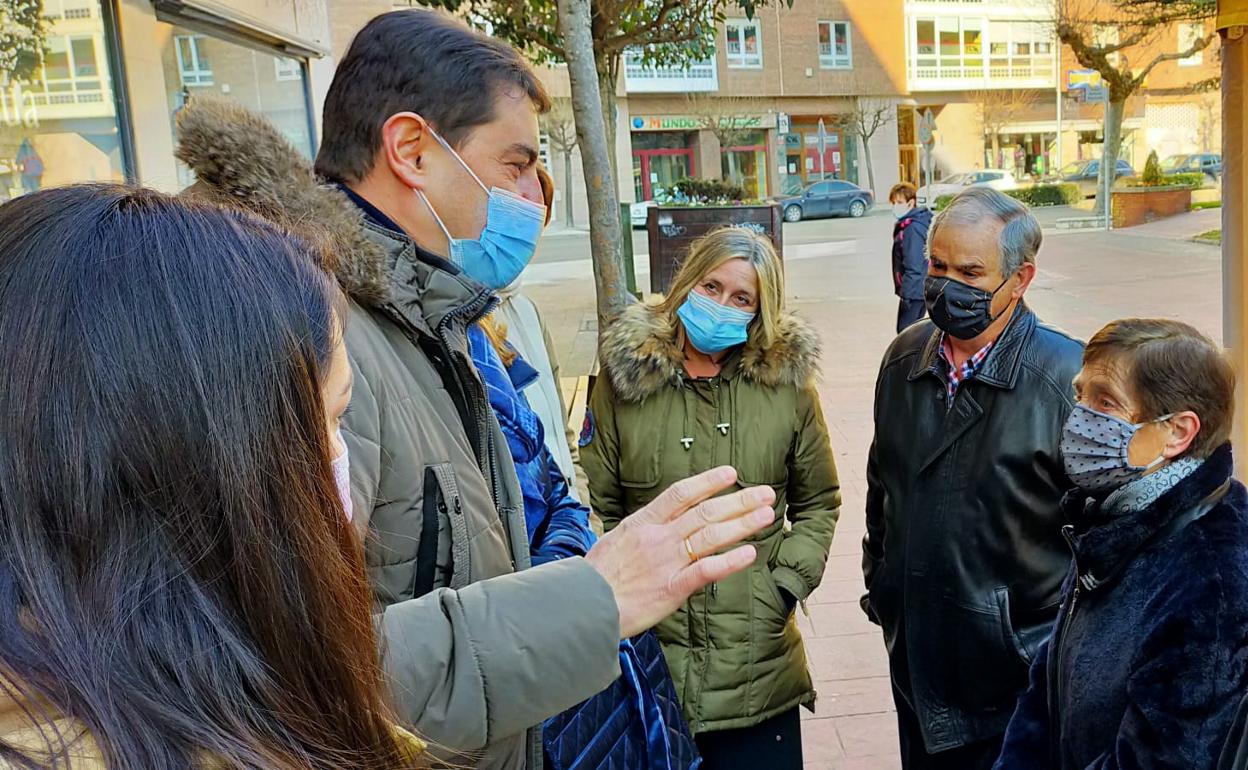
<point>486,451</point>
<point>1055,654</point>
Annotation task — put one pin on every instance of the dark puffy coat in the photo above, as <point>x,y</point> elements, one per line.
<point>964,558</point>
<point>558,525</point>
<point>1149,657</point>
<point>910,253</point>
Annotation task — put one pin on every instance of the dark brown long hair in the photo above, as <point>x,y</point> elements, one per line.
<point>176,572</point>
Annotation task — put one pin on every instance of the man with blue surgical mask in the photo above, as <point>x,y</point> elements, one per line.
<point>430,202</point>
<point>963,558</point>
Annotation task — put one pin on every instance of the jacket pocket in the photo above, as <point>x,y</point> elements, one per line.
<point>440,501</point>
<point>1011,637</point>
<point>981,663</point>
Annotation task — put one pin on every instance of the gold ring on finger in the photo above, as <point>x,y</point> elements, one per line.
<point>693,555</point>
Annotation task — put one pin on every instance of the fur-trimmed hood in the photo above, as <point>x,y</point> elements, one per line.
<point>241,160</point>
<point>641,353</point>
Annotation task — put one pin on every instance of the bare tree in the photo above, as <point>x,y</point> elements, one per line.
<point>1125,59</point>
<point>560,127</point>
<point>864,119</point>
<point>999,107</point>
<point>729,118</point>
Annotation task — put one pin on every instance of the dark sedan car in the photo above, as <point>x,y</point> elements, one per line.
<point>1207,163</point>
<point>826,199</point>
<point>1086,174</point>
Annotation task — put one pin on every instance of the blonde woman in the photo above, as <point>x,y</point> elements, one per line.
<point>717,373</point>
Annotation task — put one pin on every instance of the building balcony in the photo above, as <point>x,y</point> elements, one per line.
<point>1036,73</point>
<point>640,78</point>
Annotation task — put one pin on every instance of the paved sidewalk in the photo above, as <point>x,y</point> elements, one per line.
<point>843,288</point>
<point>1180,227</point>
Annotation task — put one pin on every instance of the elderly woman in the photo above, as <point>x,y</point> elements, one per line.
<point>716,372</point>
<point>1147,662</point>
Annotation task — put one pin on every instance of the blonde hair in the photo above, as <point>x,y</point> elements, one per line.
<point>714,249</point>
<point>496,332</point>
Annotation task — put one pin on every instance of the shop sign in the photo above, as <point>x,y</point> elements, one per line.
<point>685,123</point>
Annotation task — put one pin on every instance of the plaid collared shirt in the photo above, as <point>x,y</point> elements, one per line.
<point>960,374</point>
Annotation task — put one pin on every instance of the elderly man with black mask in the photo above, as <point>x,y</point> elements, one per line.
<point>963,558</point>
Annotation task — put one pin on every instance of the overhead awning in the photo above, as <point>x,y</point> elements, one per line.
<point>221,20</point>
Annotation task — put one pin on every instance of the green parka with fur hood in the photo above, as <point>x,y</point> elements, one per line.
<point>734,648</point>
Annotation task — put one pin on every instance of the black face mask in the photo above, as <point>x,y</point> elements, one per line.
<point>958,308</point>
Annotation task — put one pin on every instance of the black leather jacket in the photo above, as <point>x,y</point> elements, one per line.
<point>964,557</point>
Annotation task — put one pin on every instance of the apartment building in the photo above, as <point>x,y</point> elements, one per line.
<point>985,67</point>
<point>102,102</point>
<point>787,71</point>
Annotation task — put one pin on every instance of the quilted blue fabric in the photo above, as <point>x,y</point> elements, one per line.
<point>611,730</point>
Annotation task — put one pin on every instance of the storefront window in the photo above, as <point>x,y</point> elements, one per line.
<point>198,65</point>
<point>660,159</point>
<point>58,119</point>
<point>745,164</point>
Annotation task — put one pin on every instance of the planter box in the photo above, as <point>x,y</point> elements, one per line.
<point>672,230</point>
<point>1138,205</point>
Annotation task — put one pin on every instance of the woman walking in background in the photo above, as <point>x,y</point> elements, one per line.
<point>717,373</point>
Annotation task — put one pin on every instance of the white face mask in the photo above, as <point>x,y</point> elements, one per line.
<point>901,209</point>
<point>342,476</point>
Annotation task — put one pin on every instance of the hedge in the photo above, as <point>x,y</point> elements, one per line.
<point>1036,196</point>
<point>1047,195</point>
<point>1194,180</point>
<point>708,191</point>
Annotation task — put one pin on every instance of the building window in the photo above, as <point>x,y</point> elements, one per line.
<point>834,45</point>
<point>193,63</point>
<point>970,47</point>
<point>266,83</point>
<point>1189,35</point>
<point>287,69</point>
<point>543,149</point>
<point>1107,36</point>
<point>745,45</point>
<point>71,72</point>
<point>58,124</point>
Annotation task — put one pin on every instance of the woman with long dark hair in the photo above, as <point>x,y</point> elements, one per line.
<point>179,585</point>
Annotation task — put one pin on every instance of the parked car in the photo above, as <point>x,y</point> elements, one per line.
<point>1207,163</point>
<point>826,199</point>
<point>1086,173</point>
<point>996,178</point>
<point>637,212</point>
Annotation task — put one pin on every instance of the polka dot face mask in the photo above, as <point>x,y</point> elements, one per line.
<point>1094,450</point>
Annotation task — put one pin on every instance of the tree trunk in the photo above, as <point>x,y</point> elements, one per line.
<point>866,155</point>
<point>567,188</point>
<point>996,150</point>
<point>606,87</point>
<point>605,235</point>
<point>1109,152</point>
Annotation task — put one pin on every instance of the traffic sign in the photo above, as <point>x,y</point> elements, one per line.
<point>927,129</point>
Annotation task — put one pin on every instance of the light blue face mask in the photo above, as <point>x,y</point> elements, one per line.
<point>507,242</point>
<point>712,327</point>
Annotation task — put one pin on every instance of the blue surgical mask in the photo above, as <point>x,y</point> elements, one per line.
<point>712,327</point>
<point>507,242</point>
